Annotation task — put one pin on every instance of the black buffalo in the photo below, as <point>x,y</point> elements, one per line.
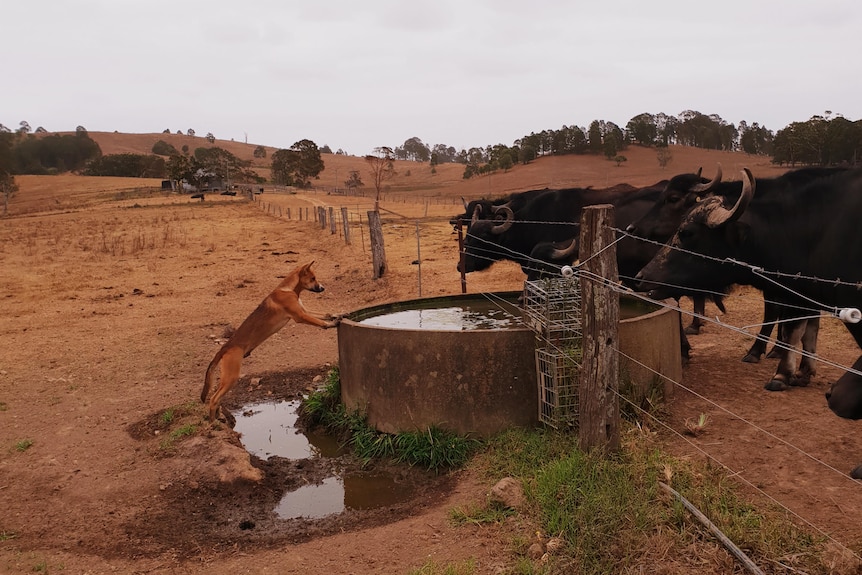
<point>685,191</point>
<point>509,229</point>
<point>807,236</point>
<point>540,229</point>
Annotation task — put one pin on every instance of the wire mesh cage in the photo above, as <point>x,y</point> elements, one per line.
<point>558,371</point>
<point>552,308</point>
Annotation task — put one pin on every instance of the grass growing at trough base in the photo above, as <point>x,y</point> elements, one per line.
<point>433,448</point>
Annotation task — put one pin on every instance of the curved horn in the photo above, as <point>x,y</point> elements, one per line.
<point>700,188</point>
<point>463,201</point>
<point>720,215</point>
<point>566,252</point>
<point>507,223</point>
<point>476,211</point>
<point>502,208</point>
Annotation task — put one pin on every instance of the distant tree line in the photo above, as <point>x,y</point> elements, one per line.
<point>822,140</point>
<point>49,154</point>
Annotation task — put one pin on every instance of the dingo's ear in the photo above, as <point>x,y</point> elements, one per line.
<point>309,264</point>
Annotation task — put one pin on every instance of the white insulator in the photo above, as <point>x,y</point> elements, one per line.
<point>568,272</point>
<point>850,315</point>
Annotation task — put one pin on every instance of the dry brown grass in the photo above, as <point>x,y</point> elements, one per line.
<point>412,179</point>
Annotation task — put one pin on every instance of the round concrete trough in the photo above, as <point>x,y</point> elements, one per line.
<point>477,381</point>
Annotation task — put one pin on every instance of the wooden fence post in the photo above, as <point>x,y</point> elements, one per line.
<point>321,217</point>
<point>598,399</point>
<point>346,224</point>
<point>378,255</point>
<point>460,227</point>
<point>331,220</point>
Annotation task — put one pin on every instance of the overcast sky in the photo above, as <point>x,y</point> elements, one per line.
<point>356,75</point>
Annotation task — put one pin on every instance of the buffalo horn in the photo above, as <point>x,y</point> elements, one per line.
<point>507,223</point>
<point>720,215</point>
<point>700,188</point>
<point>572,249</point>
<point>476,211</point>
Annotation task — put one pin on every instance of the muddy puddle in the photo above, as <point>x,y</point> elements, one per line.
<point>269,430</point>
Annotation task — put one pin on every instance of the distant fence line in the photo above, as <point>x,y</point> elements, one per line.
<point>404,197</point>
<point>341,220</point>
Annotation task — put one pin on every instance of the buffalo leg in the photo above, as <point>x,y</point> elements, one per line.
<point>791,333</point>
<point>807,369</point>
<point>770,316</point>
<point>699,311</point>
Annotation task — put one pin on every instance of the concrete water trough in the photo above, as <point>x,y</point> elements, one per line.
<point>467,364</point>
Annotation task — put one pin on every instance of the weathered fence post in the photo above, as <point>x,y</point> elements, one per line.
<point>331,220</point>
<point>378,255</point>
<point>418,259</point>
<point>346,224</point>
<point>461,256</point>
<point>598,398</point>
<point>321,217</point>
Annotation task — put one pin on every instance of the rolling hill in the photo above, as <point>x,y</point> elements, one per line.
<point>640,169</point>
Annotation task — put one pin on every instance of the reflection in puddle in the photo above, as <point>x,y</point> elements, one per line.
<point>268,429</point>
<point>355,491</point>
<point>313,501</point>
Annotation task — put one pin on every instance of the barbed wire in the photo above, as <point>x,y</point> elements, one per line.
<point>736,473</point>
<point>832,310</point>
<point>741,330</point>
<point>733,472</point>
<point>775,273</point>
<point>757,269</point>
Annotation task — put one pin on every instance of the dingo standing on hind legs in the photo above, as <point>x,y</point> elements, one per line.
<point>279,307</point>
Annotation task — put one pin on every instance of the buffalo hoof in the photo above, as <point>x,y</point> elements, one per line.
<point>751,358</point>
<point>692,330</point>
<point>776,385</point>
<point>800,380</point>
<point>857,473</point>
<point>775,353</point>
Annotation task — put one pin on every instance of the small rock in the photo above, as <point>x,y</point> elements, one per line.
<point>508,493</point>
<point>535,551</point>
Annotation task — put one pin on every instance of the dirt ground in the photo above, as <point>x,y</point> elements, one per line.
<point>111,315</point>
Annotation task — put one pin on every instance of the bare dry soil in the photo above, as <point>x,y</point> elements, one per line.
<point>112,313</point>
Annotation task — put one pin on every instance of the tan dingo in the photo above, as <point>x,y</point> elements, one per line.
<point>271,315</point>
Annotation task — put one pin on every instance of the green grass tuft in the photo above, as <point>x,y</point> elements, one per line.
<point>612,514</point>
<point>433,448</point>
<point>23,445</point>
